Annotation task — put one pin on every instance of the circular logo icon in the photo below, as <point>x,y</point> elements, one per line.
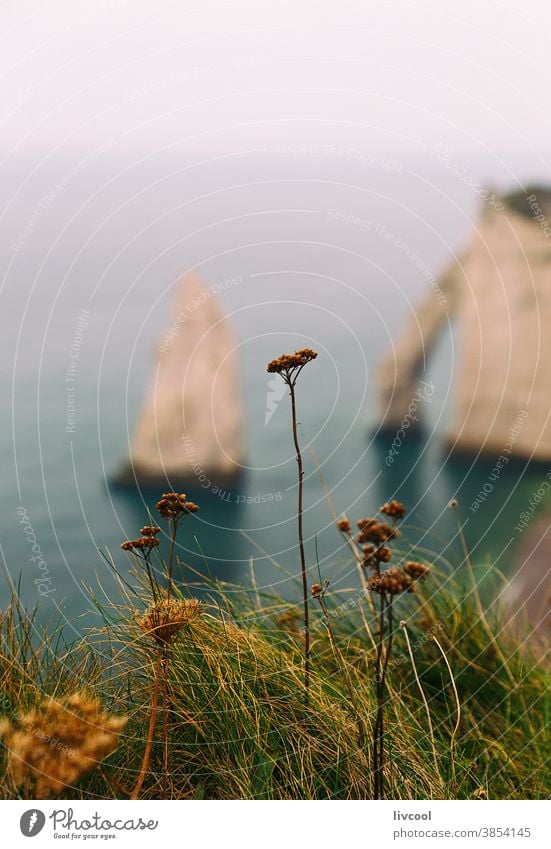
<point>32,822</point>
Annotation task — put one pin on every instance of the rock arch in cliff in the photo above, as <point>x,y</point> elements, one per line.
<point>499,293</point>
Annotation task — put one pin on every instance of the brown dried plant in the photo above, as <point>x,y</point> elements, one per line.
<point>173,506</point>
<point>289,366</point>
<point>163,620</point>
<point>385,583</point>
<point>51,747</point>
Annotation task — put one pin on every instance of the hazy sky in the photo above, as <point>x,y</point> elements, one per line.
<point>390,74</point>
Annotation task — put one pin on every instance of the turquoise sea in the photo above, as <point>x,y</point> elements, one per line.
<point>319,246</point>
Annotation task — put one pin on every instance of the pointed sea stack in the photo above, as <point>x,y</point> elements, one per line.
<point>189,432</point>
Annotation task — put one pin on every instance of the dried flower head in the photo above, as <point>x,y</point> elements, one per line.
<point>173,505</point>
<point>369,560</point>
<point>164,619</point>
<point>144,544</point>
<point>416,570</point>
<point>318,590</point>
<point>343,524</point>
<point>373,559</point>
<point>384,554</point>
<point>392,582</point>
<point>51,747</point>
<point>371,530</point>
<point>150,530</point>
<point>289,364</point>
<point>394,509</point>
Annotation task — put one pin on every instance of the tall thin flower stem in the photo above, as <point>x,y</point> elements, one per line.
<point>166,748</point>
<point>373,552</point>
<point>173,528</point>
<point>378,730</point>
<point>147,562</point>
<point>382,660</point>
<point>301,542</point>
<point>151,730</point>
<point>173,525</point>
<point>388,653</point>
<point>289,366</point>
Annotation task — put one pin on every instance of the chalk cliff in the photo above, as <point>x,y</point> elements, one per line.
<point>529,593</point>
<point>499,292</point>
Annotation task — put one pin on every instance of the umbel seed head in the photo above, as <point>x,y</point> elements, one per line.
<point>343,524</point>
<point>164,619</point>
<point>392,582</point>
<point>376,532</point>
<point>394,509</point>
<point>374,540</point>
<point>145,543</point>
<point>316,590</point>
<point>287,364</point>
<point>173,505</point>
<point>150,530</point>
<point>416,570</point>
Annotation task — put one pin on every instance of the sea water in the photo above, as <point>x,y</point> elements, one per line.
<point>302,248</point>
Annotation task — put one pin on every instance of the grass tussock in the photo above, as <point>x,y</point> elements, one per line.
<point>237,723</point>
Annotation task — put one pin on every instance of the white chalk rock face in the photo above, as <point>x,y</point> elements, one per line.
<point>500,294</point>
<point>528,595</point>
<point>189,432</point>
